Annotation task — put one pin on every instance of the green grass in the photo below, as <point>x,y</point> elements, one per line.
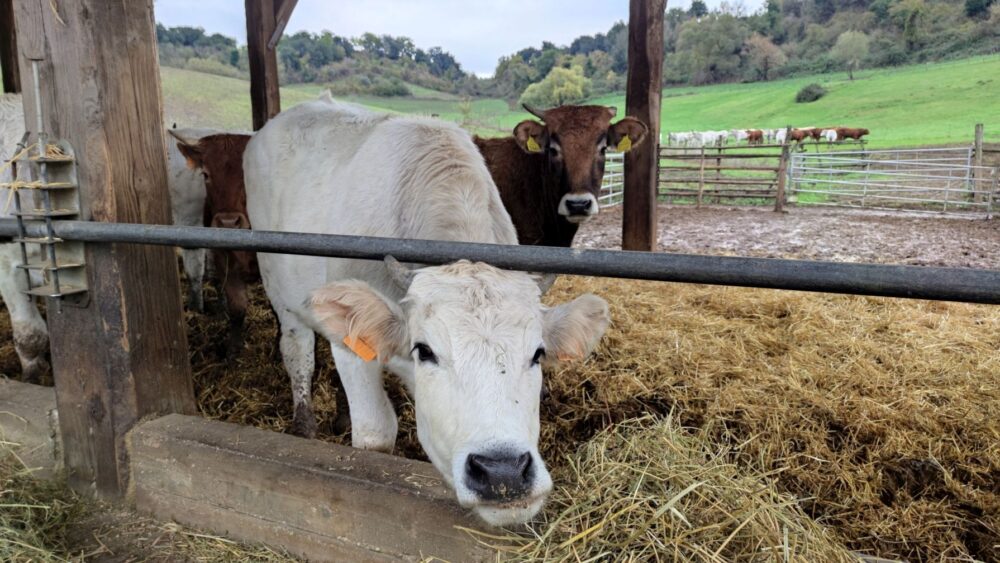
<point>909,106</point>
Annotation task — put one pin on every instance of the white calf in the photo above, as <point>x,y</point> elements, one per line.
<point>31,338</point>
<point>830,135</point>
<point>466,339</point>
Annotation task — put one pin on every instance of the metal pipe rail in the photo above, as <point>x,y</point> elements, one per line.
<point>917,282</point>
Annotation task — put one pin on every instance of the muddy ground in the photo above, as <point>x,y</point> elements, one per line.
<point>841,235</point>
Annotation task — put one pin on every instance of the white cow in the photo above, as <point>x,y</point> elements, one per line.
<point>830,135</point>
<point>31,338</point>
<point>780,136</point>
<point>187,207</point>
<point>465,338</point>
<point>739,135</point>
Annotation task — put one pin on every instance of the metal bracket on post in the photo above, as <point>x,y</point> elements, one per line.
<point>60,266</point>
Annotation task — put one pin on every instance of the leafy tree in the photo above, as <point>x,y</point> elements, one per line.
<point>710,48</point>
<point>850,49</point>
<point>561,86</point>
<point>698,9</point>
<point>763,56</point>
<point>908,15</point>
<point>977,8</point>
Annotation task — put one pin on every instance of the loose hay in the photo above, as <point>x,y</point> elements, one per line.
<point>647,490</point>
<point>879,416</point>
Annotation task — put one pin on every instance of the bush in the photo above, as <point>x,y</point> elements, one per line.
<point>810,93</point>
<point>390,87</point>
<point>212,66</point>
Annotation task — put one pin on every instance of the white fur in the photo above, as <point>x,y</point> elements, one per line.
<point>329,167</point>
<point>830,135</point>
<point>593,210</point>
<point>187,207</point>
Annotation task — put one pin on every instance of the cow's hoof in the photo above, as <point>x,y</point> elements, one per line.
<point>34,371</point>
<point>304,423</point>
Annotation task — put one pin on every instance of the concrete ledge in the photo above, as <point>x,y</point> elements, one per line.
<point>29,425</point>
<point>318,500</point>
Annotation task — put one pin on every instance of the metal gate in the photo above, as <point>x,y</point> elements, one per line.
<point>936,180</point>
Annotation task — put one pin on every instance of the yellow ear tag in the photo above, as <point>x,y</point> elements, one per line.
<point>361,348</point>
<point>625,144</point>
<point>533,145</point>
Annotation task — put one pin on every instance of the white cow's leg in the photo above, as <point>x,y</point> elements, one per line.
<point>373,421</point>
<point>297,341</point>
<point>31,337</point>
<point>194,267</point>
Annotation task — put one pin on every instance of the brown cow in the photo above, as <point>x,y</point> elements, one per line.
<point>220,158</point>
<point>755,136</point>
<point>798,135</point>
<point>549,174</point>
<point>851,133</point>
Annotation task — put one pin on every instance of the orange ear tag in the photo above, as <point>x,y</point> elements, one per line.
<point>533,145</point>
<point>361,348</point>
<point>625,144</point>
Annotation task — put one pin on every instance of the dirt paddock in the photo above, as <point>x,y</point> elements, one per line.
<point>877,421</point>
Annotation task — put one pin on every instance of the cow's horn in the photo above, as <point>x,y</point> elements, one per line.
<point>400,274</point>
<point>540,114</point>
<point>613,110</point>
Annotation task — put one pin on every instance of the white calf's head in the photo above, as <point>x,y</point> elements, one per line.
<point>477,336</point>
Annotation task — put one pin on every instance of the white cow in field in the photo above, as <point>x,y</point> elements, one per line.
<point>830,135</point>
<point>31,337</point>
<point>780,136</point>
<point>466,339</point>
<point>739,135</point>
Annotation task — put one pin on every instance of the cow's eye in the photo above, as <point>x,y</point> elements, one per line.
<point>424,353</point>
<point>539,354</point>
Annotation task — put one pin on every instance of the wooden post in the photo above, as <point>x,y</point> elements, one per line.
<point>701,177</point>
<point>8,48</point>
<point>642,101</point>
<point>977,174</point>
<point>779,196</point>
<point>265,99</point>
<point>123,354</point>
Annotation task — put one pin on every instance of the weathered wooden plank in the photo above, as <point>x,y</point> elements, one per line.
<point>122,356</point>
<point>29,426</point>
<point>8,48</point>
<point>318,500</point>
<point>642,100</point>
<point>265,99</point>
<point>282,13</point>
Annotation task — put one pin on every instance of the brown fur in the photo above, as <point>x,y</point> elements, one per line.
<point>755,136</point>
<point>851,133</point>
<point>532,184</point>
<point>220,157</point>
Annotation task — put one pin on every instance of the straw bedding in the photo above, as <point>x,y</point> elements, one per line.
<point>869,423</point>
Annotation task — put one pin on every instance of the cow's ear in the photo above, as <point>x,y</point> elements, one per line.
<point>572,330</point>
<point>530,135</point>
<point>362,319</point>
<point>192,154</point>
<point>627,133</point>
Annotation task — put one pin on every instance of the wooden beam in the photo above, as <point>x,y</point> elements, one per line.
<point>282,13</point>
<point>8,48</point>
<point>642,101</point>
<point>123,355</point>
<point>265,99</point>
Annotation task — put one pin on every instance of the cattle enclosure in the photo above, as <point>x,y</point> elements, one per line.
<point>944,180</point>
<point>240,480</point>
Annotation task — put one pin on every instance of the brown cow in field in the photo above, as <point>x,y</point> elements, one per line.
<point>549,173</point>
<point>220,158</point>
<point>798,135</point>
<point>755,136</point>
<point>851,133</point>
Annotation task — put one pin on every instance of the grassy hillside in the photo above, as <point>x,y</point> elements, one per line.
<point>916,105</point>
<point>908,106</point>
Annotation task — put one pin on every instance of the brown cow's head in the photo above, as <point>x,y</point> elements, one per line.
<point>574,140</point>
<point>220,159</point>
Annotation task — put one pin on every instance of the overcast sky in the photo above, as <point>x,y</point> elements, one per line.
<point>477,32</point>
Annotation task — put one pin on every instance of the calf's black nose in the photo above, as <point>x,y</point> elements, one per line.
<point>499,476</point>
<point>578,206</point>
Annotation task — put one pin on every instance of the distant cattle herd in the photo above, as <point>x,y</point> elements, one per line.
<point>760,136</point>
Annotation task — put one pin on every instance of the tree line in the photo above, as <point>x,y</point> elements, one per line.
<point>371,64</point>
<point>701,46</point>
